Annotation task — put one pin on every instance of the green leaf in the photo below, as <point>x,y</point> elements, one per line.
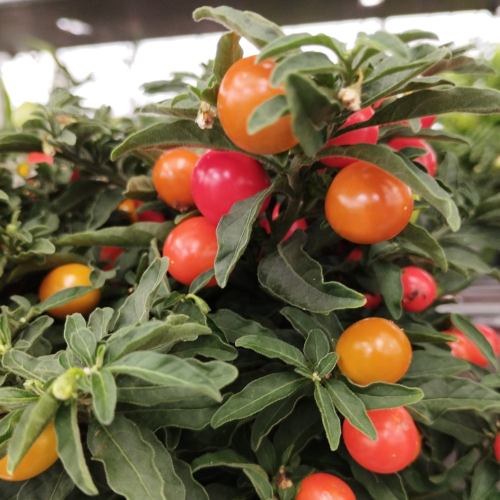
<point>389,278</point>
<point>273,414</point>
<point>249,25</point>
<point>33,422</point>
<point>465,325</point>
<point>412,35</point>
<point>379,486</point>
<point>419,237</point>
<point>54,484</point>
<point>384,41</point>
<point>424,362</point>
<point>229,458</point>
<point>406,171</point>
<point>228,52</point>
<point>256,396</point>
<point>233,233</point>
<point>327,364</point>
<point>61,298</point>
<point>42,368</point>
<point>210,346</point>
<point>104,396</point>
<point>445,393</point>
<point>331,421</point>
<point>12,398</point>
<point>194,490</point>
<point>290,274</point>
<point>317,346</point>
<point>19,143</point>
<point>379,395</point>
<point>467,259</point>
<point>69,447</point>
<point>141,188</point>
<point>457,472</point>
<point>427,134</point>
<point>136,307</point>
<point>80,339</point>
<point>137,465</point>
<point>139,234</point>
<point>274,349</point>
<point>166,370</point>
<point>422,332</point>
<point>99,321</point>
<point>235,327</point>
<point>435,102</point>
<point>311,110</point>
<point>152,335</point>
<point>485,481</point>
<point>288,43</point>
<point>32,333</point>
<point>351,406</point>
<point>267,113</point>
<point>7,425</point>
<point>464,426</point>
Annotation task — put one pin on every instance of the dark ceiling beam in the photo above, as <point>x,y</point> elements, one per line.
<point>120,20</point>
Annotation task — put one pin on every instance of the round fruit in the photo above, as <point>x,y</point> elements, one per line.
<point>466,349</point>
<point>427,121</point>
<point>355,255</point>
<point>497,447</point>
<point>368,135</point>
<point>372,300</point>
<point>41,455</point>
<point>373,350</point>
<point>220,179</point>
<point>365,204</point>
<point>70,276</point>
<point>109,255</point>
<point>321,486</point>
<point>128,208</point>
<point>419,289</point>
<point>172,178</point>
<point>395,447</point>
<point>299,224</point>
<point>246,86</point>
<point>191,248</point>
<point>429,160</point>
<point>148,215</point>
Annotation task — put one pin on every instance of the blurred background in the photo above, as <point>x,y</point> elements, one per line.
<point>106,50</point>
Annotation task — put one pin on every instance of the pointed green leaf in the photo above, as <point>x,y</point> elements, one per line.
<point>69,447</point>
<point>331,421</point>
<point>274,349</point>
<point>80,339</point>
<point>268,113</point>
<point>290,274</point>
<point>104,396</point>
<point>54,484</point>
<point>389,278</point>
<point>234,326</point>
<point>351,407</point>
<point>256,396</point>
<point>317,346</point>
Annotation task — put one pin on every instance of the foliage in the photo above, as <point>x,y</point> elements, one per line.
<point>171,393</point>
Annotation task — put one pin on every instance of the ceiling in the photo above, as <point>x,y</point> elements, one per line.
<point>121,20</point>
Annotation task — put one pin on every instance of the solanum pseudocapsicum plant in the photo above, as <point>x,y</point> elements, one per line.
<point>171,389</point>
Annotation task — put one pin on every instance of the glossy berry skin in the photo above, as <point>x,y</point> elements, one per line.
<point>372,300</point>
<point>366,205</point>
<point>127,207</point>
<point>395,447</point>
<point>497,447</point>
<point>110,255</point>
<point>368,135</point>
<point>221,178</point>
<point>246,86</point>
<point>373,350</point>
<point>148,215</point>
<point>419,289</point>
<point>429,161</point>
<point>466,349</point>
<point>191,248</point>
<point>300,224</point>
<point>39,458</point>
<point>172,178</point>
<point>427,121</point>
<point>69,276</point>
<point>321,486</point>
